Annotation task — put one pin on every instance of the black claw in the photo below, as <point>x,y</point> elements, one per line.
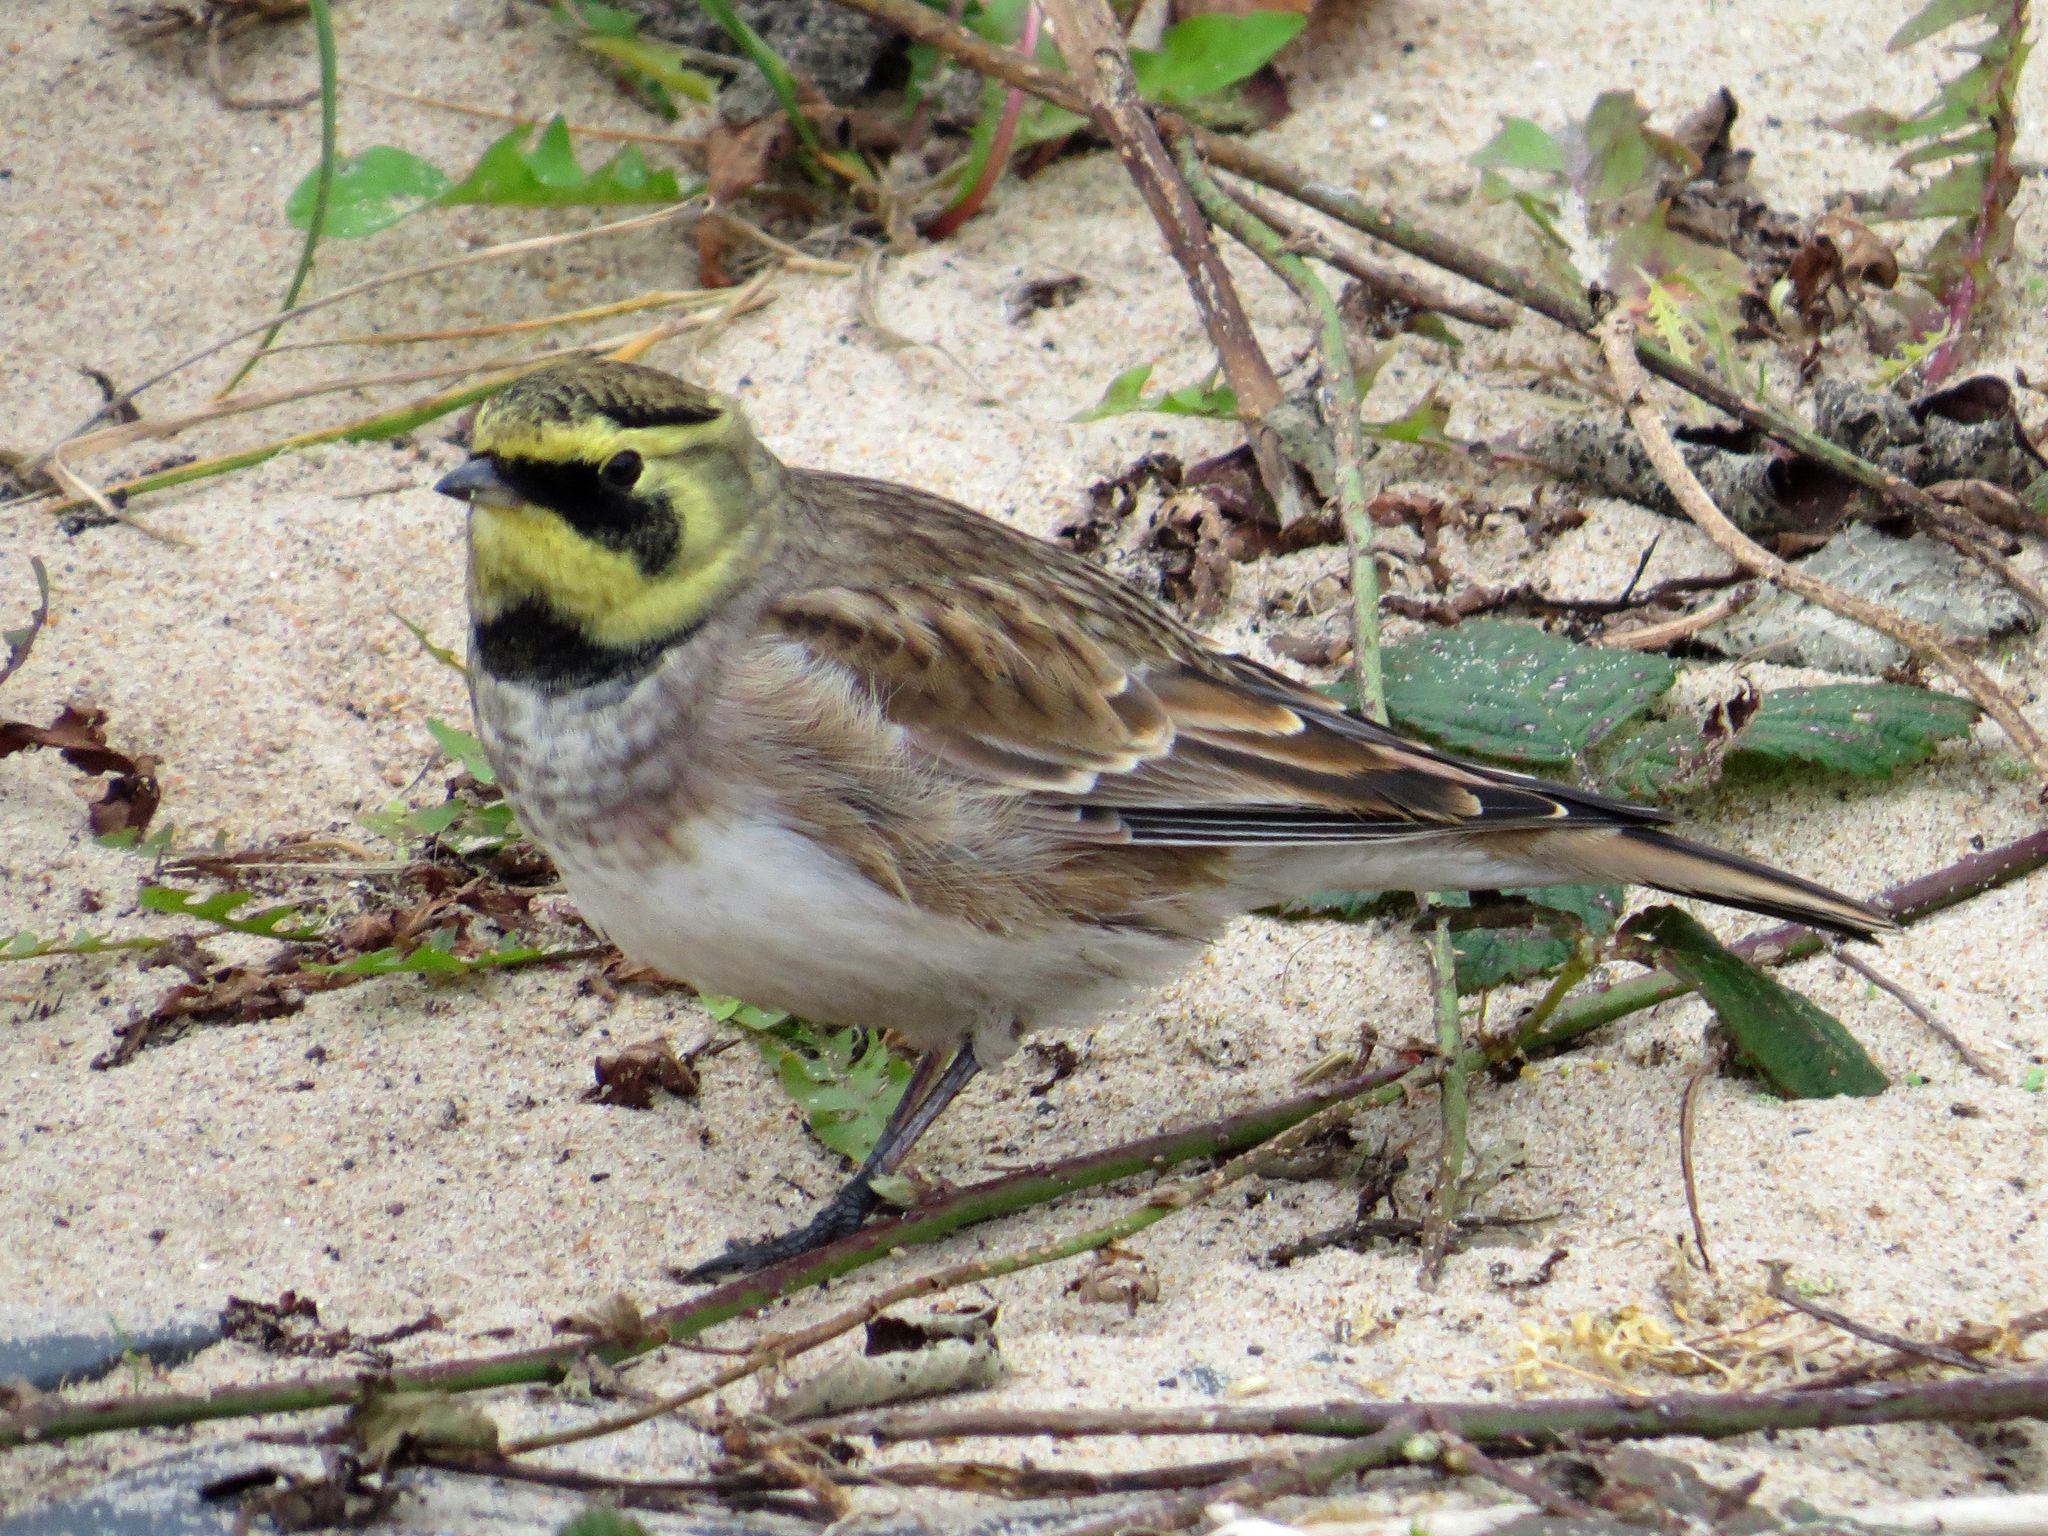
<point>842,1215</point>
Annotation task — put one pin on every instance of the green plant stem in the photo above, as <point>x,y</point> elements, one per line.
<point>1454,1104</point>
<point>56,1419</point>
<point>776,73</point>
<point>1340,406</point>
<point>323,185</point>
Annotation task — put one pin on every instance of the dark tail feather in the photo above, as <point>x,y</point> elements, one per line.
<point>1643,856</point>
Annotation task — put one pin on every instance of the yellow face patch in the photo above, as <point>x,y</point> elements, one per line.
<point>577,541</point>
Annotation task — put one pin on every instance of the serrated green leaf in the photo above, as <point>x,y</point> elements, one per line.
<point>1799,1048</point>
<point>436,957</point>
<point>1595,906</point>
<point>1207,54</point>
<point>746,1015</point>
<point>1867,729</point>
<point>1957,193</point>
<point>220,909</point>
<point>846,1082</point>
<point>26,946</point>
<point>1489,957</point>
<point>1520,145</point>
<point>548,175</point>
<point>371,191</point>
<point>1126,393</point>
<point>1517,693</point>
<point>1650,763</point>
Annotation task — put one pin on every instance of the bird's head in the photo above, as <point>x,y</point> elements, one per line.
<point>613,508</point>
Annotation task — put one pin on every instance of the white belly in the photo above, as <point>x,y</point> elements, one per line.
<point>750,909</point>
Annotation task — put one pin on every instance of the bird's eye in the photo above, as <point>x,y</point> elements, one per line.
<point>621,469</point>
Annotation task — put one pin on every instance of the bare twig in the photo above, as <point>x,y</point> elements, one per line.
<point>1282,1477</point>
<point>1655,637</point>
<point>1778,1290</point>
<point>1461,1455</point>
<point>1108,94</point>
<point>1617,339</point>
<point>1688,1119</point>
<point>1971,1058</point>
<point>1394,286</point>
<point>1968,1337</point>
<point>1539,1422</point>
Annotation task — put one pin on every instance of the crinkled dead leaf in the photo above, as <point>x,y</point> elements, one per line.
<point>630,1078</point>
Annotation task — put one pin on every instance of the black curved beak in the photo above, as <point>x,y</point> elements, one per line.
<point>477,481</point>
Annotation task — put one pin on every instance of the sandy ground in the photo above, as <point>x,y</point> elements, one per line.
<point>396,1147</point>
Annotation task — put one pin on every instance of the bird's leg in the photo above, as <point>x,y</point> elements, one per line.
<point>927,1093</point>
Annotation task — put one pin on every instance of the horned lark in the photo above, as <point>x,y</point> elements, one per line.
<point>846,748</point>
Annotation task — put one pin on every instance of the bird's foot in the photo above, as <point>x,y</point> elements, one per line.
<point>842,1215</point>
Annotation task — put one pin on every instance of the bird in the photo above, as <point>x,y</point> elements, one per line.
<point>843,747</point>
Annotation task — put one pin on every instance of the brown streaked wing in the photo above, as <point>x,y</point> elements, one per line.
<point>1023,666</point>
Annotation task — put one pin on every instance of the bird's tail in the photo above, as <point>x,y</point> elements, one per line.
<point>1645,856</point>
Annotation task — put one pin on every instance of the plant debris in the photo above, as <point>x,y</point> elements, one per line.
<point>630,1078</point>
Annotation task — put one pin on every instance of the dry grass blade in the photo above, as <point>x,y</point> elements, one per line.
<point>369,284</point>
<point>1929,645</point>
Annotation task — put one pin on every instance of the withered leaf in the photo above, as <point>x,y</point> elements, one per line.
<point>78,735</point>
<point>1036,293</point>
<point>630,1078</point>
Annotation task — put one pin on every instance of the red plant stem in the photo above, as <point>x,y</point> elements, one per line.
<point>969,202</point>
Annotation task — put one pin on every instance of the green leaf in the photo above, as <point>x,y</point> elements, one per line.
<point>1595,906</point>
<point>1488,957</point>
<point>1801,1050</point>
<point>437,957</point>
<point>1126,393</point>
<point>600,1521</point>
<point>220,909</point>
<point>1207,54</point>
<point>461,747</point>
<point>1342,906</point>
<point>548,175</point>
<point>2034,1080</point>
<point>1516,693</point>
<point>1521,146</point>
<point>1866,729</point>
<point>746,1015</point>
<point>845,1081</point>
<point>1423,424</point>
<point>26,946</point>
<point>371,191</point>
<point>653,67</point>
<point>1936,16</point>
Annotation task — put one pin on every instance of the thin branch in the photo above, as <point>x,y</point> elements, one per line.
<point>1108,95</point>
<point>1540,1422</point>
<point>1940,1354</point>
<point>1283,1477</point>
<point>1928,644</point>
<point>1394,286</point>
<point>1971,1058</point>
<point>1688,1121</point>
